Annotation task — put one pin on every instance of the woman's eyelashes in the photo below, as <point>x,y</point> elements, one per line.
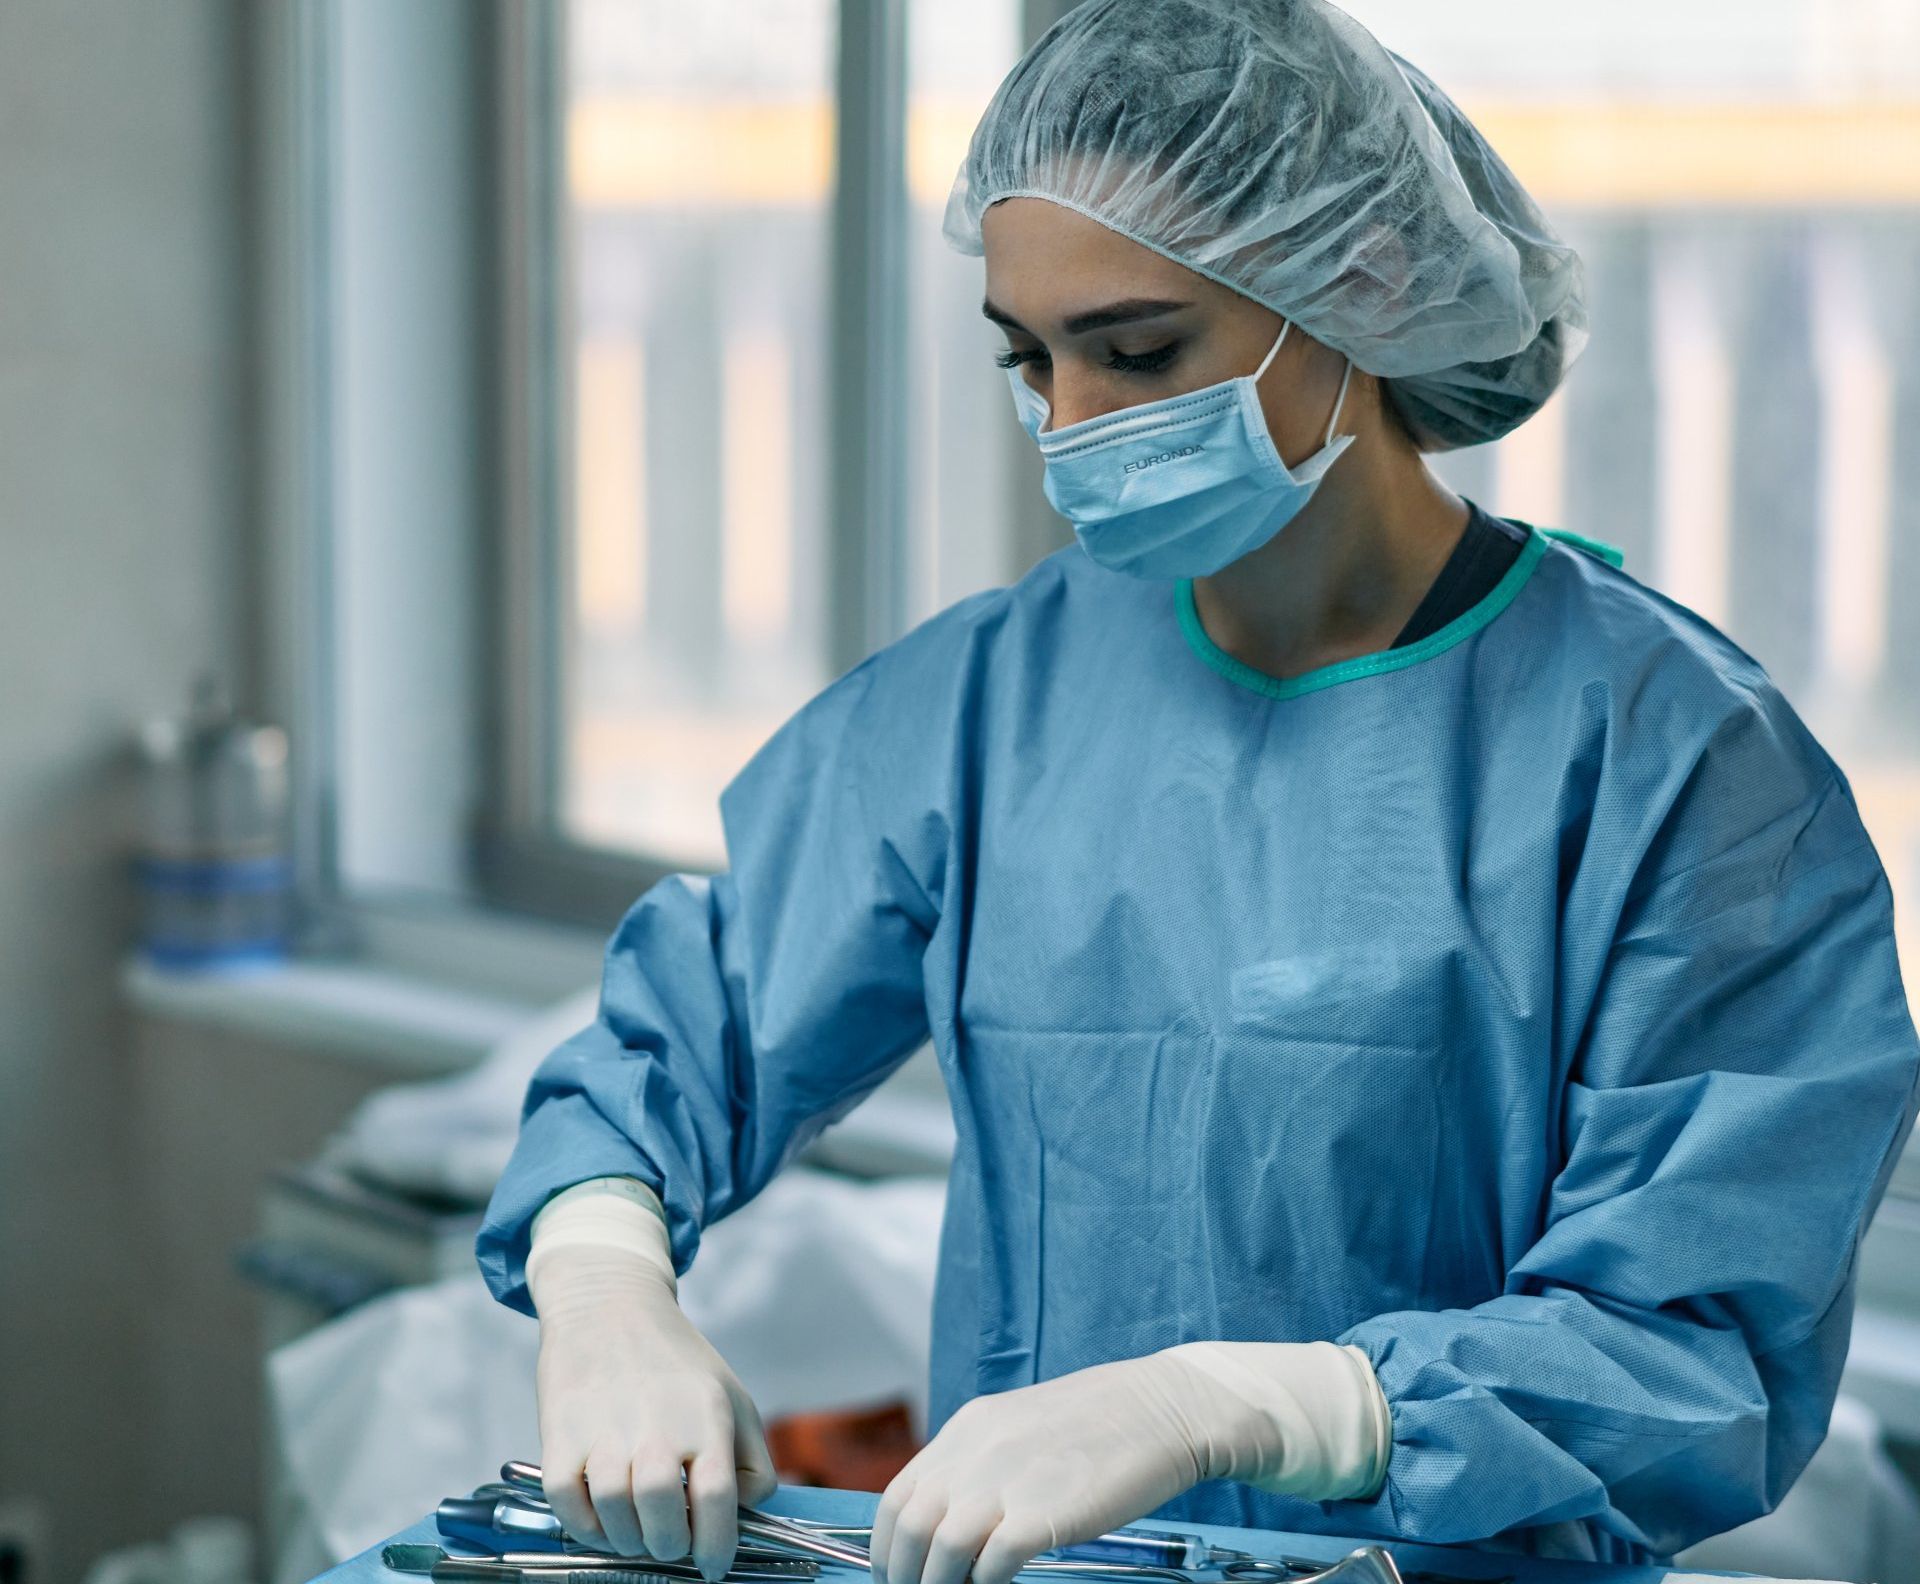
<point>1156,361</point>
<point>1151,362</point>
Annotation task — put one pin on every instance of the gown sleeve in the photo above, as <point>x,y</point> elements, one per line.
<point>1663,1359</point>
<point>742,1013</point>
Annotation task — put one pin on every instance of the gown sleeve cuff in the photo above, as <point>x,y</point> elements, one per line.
<point>1323,1429</point>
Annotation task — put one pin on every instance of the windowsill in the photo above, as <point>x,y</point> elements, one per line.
<point>463,945</point>
<point>429,989</point>
<point>434,987</point>
<point>348,1009</point>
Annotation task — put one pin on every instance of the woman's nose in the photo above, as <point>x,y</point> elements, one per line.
<point>1074,401</point>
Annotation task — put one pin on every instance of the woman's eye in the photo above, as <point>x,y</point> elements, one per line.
<point>1144,362</point>
<point>1126,362</point>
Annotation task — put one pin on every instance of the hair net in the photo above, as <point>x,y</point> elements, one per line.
<point>1276,147</point>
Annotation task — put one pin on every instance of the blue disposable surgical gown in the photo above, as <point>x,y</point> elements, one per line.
<point>1520,1005</point>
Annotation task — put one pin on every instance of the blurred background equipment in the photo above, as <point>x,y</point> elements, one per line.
<point>213,869</point>
<point>198,1551</point>
<point>1851,1515</point>
<point>845,1449</point>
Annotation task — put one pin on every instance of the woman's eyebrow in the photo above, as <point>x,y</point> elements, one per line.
<point>1125,312</point>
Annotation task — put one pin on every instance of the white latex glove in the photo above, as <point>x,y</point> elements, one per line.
<point>1020,1472</point>
<point>632,1400</point>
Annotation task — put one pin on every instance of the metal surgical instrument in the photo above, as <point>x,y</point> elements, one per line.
<point>784,1534</point>
<point>838,1543</point>
<point>495,1523</point>
<point>1147,1552</point>
<point>414,1557</point>
<point>1161,1548</point>
<point>1124,1554</point>
<point>544,1568</point>
<point>1367,1565</point>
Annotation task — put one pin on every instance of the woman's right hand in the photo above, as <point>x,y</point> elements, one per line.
<point>633,1399</point>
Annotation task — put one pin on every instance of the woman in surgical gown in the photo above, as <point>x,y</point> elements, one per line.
<point>1420,1009</point>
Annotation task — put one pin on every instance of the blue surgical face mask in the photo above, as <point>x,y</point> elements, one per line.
<point>1176,488</point>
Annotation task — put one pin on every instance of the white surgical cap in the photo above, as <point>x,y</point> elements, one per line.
<point>1275,147</point>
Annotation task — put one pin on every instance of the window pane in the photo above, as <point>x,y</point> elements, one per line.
<point>699,174</point>
<point>1744,185</point>
<point>962,436</point>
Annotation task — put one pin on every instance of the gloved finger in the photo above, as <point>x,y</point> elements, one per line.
<point>713,1498</point>
<point>660,1499</point>
<point>564,1481</point>
<point>610,1484</point>
<point>957,1542</point>
<point>924,1466</point>
<point>895,1497</point>
<point>753,1463</point>
<point>913,1534</point>
<point>1006,1551</point>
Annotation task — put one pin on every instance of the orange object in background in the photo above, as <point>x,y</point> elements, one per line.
<point>846,1449</point>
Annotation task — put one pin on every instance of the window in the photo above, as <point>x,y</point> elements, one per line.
<point>699,186</point>
<point>703,575</point>
<point>1744,187</point>
<point>773,438</point>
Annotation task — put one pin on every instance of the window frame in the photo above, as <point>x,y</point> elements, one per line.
<point>522,861</point>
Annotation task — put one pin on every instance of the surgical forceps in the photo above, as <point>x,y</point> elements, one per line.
<point>1140,1548</point>
<point>1166,1551</point>
<point>1095,1559</point>
<point>1156,1553</point>
<point>532,1567</point>
<point>1186,1554</point>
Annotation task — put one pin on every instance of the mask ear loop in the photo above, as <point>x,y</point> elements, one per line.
<point>1338,402</point>
<point>1285,326</point>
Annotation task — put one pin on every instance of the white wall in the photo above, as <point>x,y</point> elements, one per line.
<point>124,497</point>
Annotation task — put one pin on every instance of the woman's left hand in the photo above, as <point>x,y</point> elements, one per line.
<point>1019,1472</point>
